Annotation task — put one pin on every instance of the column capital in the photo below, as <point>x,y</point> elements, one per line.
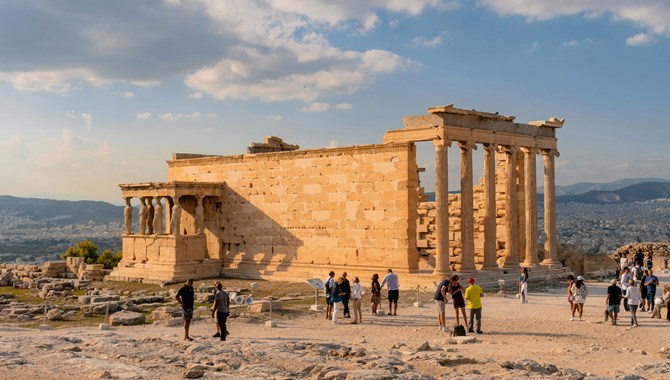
<point>508,149</point>
<point>528,150</point>
<point>490,147</point>
<point>439,143</point>
<point>467,145</point>
<point>550,152</point>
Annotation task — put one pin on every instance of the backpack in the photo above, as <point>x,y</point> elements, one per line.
<point>459,330</point>
<point>639,274</point>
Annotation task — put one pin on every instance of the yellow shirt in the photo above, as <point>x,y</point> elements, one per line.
<point>474,296</point>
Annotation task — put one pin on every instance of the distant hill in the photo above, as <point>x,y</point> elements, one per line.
<point>61,212</point>
<point>639,192</point>
<point>585,187</point>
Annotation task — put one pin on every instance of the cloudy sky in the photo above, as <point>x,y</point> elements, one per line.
<point>96,93</point>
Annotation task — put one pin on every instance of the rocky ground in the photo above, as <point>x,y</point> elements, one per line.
<point>534,340</point>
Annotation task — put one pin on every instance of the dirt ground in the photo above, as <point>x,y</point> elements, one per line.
<point>539,331</point>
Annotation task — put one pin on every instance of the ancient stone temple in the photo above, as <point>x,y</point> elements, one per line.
<point>282,212</point>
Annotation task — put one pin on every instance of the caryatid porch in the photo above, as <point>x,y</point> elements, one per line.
<point>174,234</point>
<point>516,145</point>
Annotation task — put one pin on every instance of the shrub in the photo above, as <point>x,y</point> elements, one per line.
<point>85,249</point>
<point>109,259</point>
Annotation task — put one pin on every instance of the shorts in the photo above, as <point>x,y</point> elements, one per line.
<point>375,299</point>
<point>393,295</point>
<point>441,305</point>
<point>459,302</point>
<point>580,300</point>
<point>329,299</point>
<point>188,313</point>
<point>613,308</point>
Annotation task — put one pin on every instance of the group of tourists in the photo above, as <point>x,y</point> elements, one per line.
<point>220,310</point>
<point>339,292</point>
<point>473,294</point>
<point>637,291</point>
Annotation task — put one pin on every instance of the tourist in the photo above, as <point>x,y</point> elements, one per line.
<point>218,330</point>
<point>666,297</point>
<point>649,261</point>
<point>440,299</point>
<point>625,280</point>
<point>523,285</point>
<point>345,288</point>
<point>652,282</point>
<point>613,301</point>
<point>639,258</point>
<point>391,281</point>
<point>221,309</point>
<point>617,260</point>
<point>571,297</point>
<point>662,302</point>
<point>328,287</point>
<point>357,292</point>
<point>643,291</point>
<point>624,263</point>
<point>336,299</point>
<point>456,291</point>
<point>376,293</point>
<point>580,292</point>
<point>633,298</point>
<point>474,296</point>
<point>186,298</point>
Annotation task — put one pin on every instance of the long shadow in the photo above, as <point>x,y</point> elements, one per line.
<point>526,333</point>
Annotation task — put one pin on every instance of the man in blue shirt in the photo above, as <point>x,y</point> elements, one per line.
<point>651,282</point>
<point>440,298</point>
<point>391,279</point>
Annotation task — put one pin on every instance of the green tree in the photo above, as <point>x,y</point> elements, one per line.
<point>108,259</point>
<point>85,249</point>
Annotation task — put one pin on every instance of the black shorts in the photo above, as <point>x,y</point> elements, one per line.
<point>329,299</point>
<point>459,302</point>
<point>393,295</point>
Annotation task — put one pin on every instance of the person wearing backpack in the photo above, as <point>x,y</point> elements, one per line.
<point>652,283</point>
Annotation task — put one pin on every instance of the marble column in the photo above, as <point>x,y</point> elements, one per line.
<point>511,211</point>
<point>521,205</point>
<point>550,257</point>
<point>442,207</point>
<point>142,217</point>
<point>169,203</point>
<point>467,208</point>
<point>128,217</point>
<point>175,220</point>
<point>530,185</point>
<point>490,233</point>
<point>199,217</point>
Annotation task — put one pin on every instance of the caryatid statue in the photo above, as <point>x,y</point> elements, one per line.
<point>176,218</point>
<point>199,217</point>
<point>150,216</point>
<point>128,217</point>
<point>144,211</point>
<point>158,217</point>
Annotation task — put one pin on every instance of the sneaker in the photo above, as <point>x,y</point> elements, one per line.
<point>471,330</point>
<point>217,335</point>
<point>572,318</point>
<point>580,318</point>
<point>445,329</point>
<point>480,332</point>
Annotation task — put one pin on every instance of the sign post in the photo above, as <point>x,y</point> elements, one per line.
<point>317,285</point>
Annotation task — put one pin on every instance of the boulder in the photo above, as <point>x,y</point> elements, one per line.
<point>126,318</point>
<point>166,313</point>
<point>55,315</point>
<point>264,306</point>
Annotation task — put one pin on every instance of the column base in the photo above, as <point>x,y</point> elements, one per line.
<point>531,264</point>
<point>441,273</point>
<point>490,267</point>
<point>551,262</point>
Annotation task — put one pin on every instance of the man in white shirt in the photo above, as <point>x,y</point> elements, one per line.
<point>391,279</point>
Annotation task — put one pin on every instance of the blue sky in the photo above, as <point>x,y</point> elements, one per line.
<point>97,93</point>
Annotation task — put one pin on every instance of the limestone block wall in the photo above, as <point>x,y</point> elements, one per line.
<point>311,210</point>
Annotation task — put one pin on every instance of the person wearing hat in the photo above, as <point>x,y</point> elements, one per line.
<point>474,296</point>
<point>613,301</point>
<point>580,292</point>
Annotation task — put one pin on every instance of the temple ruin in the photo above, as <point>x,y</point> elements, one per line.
<point>282,212</point>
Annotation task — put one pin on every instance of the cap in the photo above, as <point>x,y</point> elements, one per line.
<point>471,280</point>
<point>580,278</point>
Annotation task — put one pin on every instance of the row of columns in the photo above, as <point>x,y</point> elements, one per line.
<point>511,206</point>
<point>150,218</point>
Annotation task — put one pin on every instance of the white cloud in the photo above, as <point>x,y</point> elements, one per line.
<point>143,116</point>
<point>332,144</point>
<point>422,41</point>
<point>316,107</point>
<point>68,150</point>
<point>641,39</point>
<point>128,94</point>
<point>534,46</point>
<point>653,15</point>
<point>88,120</point>
<point>275,117</point>
<point>194,115</point>
<point>344,106</point>
<point>569,44</point>
<point>196,95</point>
